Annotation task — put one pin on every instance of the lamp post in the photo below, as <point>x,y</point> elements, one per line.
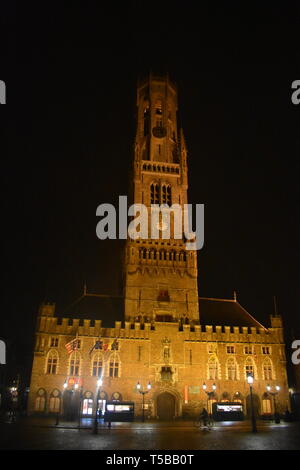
<point>61,403</point>
<point>276,415</point>
<point>209,395</point>
<point>143,392</point>
<point>250,381</point>
<point>99,384</point>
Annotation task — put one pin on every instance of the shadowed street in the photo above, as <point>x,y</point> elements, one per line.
<point>181,435</point>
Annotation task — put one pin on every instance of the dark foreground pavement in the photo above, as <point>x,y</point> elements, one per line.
<point>30,433</point>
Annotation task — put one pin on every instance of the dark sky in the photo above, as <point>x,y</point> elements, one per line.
<point>71,79</point>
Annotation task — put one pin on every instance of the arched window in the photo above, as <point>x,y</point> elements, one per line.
<point>166,195</point>
<point>52,362</point>
<point>97,365</point>
<point>74,365</point>
<point>249,368</point>
<point>267,370</point>
<point>158,108</point>
<point>154,193</point>
<point>114,365</point>
<point>54,402</point>
<point>40,401</point>
<point>231,369</point>
<point>213,368</point>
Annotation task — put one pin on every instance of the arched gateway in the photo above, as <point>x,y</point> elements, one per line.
<point>166,406</point>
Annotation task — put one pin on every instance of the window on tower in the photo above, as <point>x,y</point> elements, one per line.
<point>163,296</point>
<point>154,193</point>
<point>166,195</point>
<point>146,120</point>
<point>158,107</point>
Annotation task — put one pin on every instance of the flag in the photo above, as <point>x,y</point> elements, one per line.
<point>115,345</point>
<point>97,345</point>
<point>72,345</point>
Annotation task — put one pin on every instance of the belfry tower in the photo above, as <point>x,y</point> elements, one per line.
<point>160,274</point>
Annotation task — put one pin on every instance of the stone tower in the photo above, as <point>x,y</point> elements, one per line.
<point>160,274</point>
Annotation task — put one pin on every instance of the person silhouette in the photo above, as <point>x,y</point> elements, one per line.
<point>204,417</point>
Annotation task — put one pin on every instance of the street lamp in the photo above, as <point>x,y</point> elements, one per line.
<point>250,381</point>
<point>276,415</point>
<point>209,394</point>
<point>143,392</point>
<point>99,385</point>
<point>61,403</point>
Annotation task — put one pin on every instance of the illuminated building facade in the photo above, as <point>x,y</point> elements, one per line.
<point>162,332</point>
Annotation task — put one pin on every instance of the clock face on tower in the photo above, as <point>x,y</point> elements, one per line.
<point>159,132</point>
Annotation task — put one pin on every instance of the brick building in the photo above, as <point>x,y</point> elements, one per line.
<point>161,332</point>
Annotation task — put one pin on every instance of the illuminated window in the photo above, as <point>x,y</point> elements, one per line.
<point>158,108</point>
<point>114,366</point>
<point>249,368</point>
<point>97,365</point>
<point>87,406</point>
<point>54,402</point>
<point>40,401</point>
<point>54,342</point>
<point>267,370</point>
<point>213,368</point>
<point>154,194</point>
<point>231,370</point>
<point>166,374</point>
<point>74,364</point>
<point>160,195</point>
<point>52,362</point>
<point>266,350</point>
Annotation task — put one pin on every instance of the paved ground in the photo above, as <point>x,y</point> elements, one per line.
<point>37,433</point>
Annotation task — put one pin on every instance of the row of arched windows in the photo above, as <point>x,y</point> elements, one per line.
<point>159,168</point>
<point>162,255</point>
<point>98,367</point>
<point>233,369</point>
<point>53,402</point>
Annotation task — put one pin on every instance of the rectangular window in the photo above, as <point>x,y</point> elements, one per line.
<point>267,372</point>
<point>114,369</point>
<point>54,342</point>
<point>265,350</point>
<point>97,369</point>
<point>230,349</point>
<point>248,350</point>
<point>74,367</point>
<point>231,373</point>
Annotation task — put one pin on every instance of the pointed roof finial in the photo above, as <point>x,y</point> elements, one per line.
<point>234,296</point>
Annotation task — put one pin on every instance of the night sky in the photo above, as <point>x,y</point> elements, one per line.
<point>71,81</point>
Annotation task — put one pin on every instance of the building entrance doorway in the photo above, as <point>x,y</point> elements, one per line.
<point>166,406</point>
